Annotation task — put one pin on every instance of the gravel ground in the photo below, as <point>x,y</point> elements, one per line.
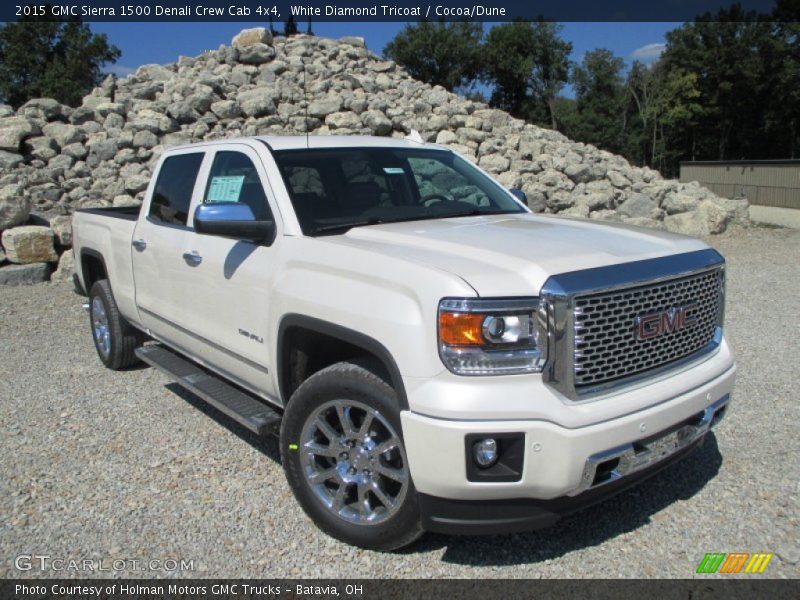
<point>99,464</point>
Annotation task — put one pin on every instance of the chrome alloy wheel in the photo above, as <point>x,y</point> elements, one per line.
<point>100,328</point>
<point>354,462</point>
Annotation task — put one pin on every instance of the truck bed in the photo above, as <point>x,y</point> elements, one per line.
<point>129,213</point>
<point>105,234</point>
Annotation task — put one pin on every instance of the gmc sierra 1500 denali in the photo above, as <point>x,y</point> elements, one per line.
<point>434,356</point>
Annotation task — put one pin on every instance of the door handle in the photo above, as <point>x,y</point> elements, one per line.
<point>139,244</point>
<point>192,258</point>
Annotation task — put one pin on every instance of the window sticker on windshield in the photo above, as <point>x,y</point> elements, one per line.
<point>225,189</point>
<point>393,170</point>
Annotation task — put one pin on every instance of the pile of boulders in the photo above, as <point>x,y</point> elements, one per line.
<point>55,159</point>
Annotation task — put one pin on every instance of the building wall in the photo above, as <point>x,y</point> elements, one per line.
<point>766,183</point>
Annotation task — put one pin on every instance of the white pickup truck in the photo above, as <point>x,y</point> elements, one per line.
<point>433,355</point>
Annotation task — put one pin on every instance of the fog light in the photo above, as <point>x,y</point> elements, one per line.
<point>485,452</point>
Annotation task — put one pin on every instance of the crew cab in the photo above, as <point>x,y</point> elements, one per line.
<point>433,356</point>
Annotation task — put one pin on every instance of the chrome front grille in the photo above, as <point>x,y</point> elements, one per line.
<point>606,347</point>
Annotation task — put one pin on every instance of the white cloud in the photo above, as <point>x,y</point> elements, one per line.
<point>649,52</point>
<point>121,70</point>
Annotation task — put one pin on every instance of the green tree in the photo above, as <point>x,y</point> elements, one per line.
<point>599,100</point>
<point>59,59</point>
<point>446,54</point>
<point>643,88</point>
<point>726,53</point>
<point>290,27</point>
<point>783,113</point>
<point>528,65</point>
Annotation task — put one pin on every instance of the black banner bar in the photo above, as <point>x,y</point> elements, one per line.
<point>373,10</point>
<point>732,588</point>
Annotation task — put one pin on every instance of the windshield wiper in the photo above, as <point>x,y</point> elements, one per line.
<point>373,221</point>
<point>475,212</point>
<point>346,226</point>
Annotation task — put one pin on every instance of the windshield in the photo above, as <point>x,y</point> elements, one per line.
<point>335,189</point>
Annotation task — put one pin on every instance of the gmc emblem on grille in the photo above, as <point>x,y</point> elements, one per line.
<point>666,321</point>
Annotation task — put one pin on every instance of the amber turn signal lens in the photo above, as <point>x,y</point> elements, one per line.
<point>461,329</point>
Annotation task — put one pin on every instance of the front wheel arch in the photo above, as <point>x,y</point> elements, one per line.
<point>296,329</point>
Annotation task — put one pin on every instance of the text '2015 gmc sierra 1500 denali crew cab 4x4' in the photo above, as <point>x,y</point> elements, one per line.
<point>433,355</point>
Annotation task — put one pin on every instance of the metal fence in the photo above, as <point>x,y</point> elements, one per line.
<point>764,182</point>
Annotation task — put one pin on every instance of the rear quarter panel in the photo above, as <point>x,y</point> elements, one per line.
<point>109,238</point>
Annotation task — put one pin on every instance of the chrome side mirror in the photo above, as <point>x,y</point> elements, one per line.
<point>234,220</point>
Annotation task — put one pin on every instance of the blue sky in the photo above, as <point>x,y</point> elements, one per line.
<point>162,42</point>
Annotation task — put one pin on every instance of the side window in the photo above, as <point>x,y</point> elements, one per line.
<point>173,192</point>
<point>436,179</point>
<point>234,178</point>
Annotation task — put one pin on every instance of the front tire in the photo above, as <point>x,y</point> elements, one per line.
<point>343,454</point>
<point>114,338</point>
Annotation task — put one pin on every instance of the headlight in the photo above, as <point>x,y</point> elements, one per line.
<point>480,336</point>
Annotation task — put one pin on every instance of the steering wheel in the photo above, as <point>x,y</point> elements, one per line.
<point>433,199</point>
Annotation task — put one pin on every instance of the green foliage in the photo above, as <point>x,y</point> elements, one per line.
<point>726,87</point>
<point>599,101</point>
<point>446,54</point>
<point>290,27</point>
<point>60,60</point>
<point>528,65</point>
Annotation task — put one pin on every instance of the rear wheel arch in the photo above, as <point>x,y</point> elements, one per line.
<point>93,267</point>
<point>307,345</point>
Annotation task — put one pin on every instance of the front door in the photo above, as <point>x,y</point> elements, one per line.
<point>228,281</point>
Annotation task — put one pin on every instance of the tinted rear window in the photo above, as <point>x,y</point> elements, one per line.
<point>173,193</point>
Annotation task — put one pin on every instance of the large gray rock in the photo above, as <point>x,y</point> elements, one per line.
<point>107,148</point>
<point>578,172</point>
<point>100,151</point>
<point>377,122</point>
<point>15,129</point>
<point>675,203</point>
<point>250,37</point>
<point>62,229</point>
<point>66,267</point>
<point>144,139</point>
<point>325,106</point>
<point>63,133</point>
<point>256,54</point>
<point>343,120</point>
<point>494,163</point>
<point>617,179</point>
<point>226,109</point>
<point>41,147</point>
<point>24,274</point>
<point>641,206</point>
<point>14,206</point>
<point>259,101</point>
<point>29,244</point>
<point>688,223</point>
<point>50,109</point>
<point>9,160</point>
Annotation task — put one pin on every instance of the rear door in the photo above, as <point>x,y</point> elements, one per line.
<point>158,241</point>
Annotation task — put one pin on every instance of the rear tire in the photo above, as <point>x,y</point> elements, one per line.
<point>114,338</point>
<point>343,454</point>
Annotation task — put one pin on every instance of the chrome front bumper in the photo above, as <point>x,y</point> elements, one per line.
<point>610,465</point>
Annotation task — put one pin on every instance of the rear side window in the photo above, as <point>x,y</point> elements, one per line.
<point>234,178</point>
<point>173,193</point>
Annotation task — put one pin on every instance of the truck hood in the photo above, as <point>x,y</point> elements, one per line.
<point>513,255</point>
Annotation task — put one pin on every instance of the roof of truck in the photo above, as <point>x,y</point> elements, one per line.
<point>295,142</point>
